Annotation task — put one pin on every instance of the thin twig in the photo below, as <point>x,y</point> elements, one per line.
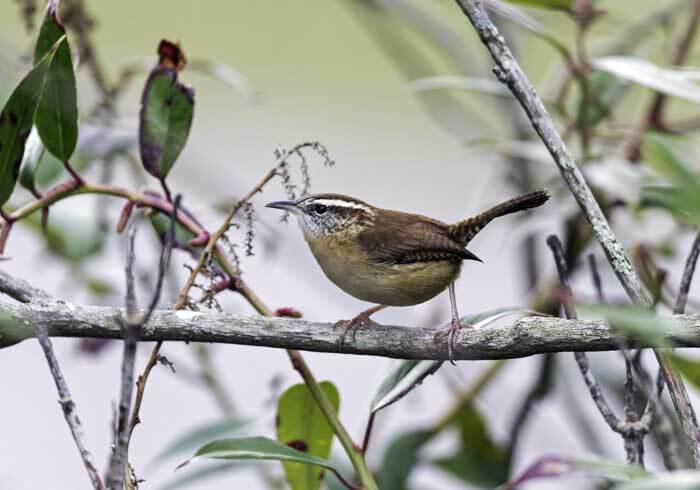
<point>634,441</point>
<point>581,358</point>
<point>182,301</point>
<point>142,321</point>
<point>634,437</point>
<point>68,405</point>
<point>132,326</point>
<point>595,275</point>
<point>117,472</point>
<point>687,279</point>
<point>509,72</point>
<point>630,429</point>
<point>214,238</point>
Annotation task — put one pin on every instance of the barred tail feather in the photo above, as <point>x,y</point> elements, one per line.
<point>463,231</point>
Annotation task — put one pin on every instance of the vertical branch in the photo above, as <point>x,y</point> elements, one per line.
<point>117,469</point>
<point>687,278</point>
<point>634,439</point>
<point>133,323</point>
<point>68,405</point>
<point>509,72</point>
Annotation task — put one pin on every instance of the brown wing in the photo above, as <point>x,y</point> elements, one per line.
<point>402,238</point>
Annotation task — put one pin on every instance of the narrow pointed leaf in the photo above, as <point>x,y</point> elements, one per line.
<point>51,31</point>
<point>674,82</point>
<point>256,448</point>
<point>16,120</point>
<point>402,378</point>
<point>57,113</point>
<point>200,435</point>
<point>633,321</point>
<point>167,107</point>
<point>302,425</point>
<point>690,368</point>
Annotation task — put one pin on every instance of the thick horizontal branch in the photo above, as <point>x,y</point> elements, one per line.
<point>524,337</point>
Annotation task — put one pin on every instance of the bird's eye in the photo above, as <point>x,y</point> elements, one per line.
<point>320,208</point>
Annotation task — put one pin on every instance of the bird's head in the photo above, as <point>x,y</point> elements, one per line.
<point>324,214</point>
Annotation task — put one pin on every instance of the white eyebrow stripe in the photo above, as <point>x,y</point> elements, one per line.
<point>341,204</point>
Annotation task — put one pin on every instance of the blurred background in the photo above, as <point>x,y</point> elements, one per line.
<point>401,94</point>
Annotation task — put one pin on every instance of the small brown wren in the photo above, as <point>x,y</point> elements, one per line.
<point>389,257</point>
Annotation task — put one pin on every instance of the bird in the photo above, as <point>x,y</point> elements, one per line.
<point>392,258</point>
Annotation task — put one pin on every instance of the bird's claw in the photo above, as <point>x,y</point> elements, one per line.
<point>450,332</point>
<point>361,320</point>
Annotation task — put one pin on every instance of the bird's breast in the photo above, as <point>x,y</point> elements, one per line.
<point>348,267</point>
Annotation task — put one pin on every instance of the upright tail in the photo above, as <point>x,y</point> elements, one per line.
<point>463,231</point>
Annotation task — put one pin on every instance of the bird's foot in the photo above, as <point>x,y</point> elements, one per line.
<point>450,333</point>
<point>361,320</point>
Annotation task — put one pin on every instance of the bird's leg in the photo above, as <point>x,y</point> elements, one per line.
<point>361,320</point>
<point>455,325</point>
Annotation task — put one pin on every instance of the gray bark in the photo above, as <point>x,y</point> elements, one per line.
<point>523,337</point>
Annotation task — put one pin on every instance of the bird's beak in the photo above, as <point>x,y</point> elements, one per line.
<point>290,206</point>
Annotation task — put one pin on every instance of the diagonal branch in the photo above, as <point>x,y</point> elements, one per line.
<point>509,72</point>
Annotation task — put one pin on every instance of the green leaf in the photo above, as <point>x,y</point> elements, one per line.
<point>57,113</point>
<point>167,107</point>
<point>605,91</point>
<point>16,120</point>
<point>400,459</point>
<point>675,82</point>
<point>659,154</point>
<point>161,225</point>
<point>633,321</point>
<point>682,195</point>
<point>479,461</point>
<point>256,448</point>
<point>544,4</point>
<point>50,32</point>
<point>400,378</point>
<point>690,368</point>
<point>12,330</point>
<point>200,435</point>
<point>302,425</point>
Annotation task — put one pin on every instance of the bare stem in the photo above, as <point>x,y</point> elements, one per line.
<point>631,431</point>
<point>509,72</point>
<point>687,278</point>
<point>68,405</point>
